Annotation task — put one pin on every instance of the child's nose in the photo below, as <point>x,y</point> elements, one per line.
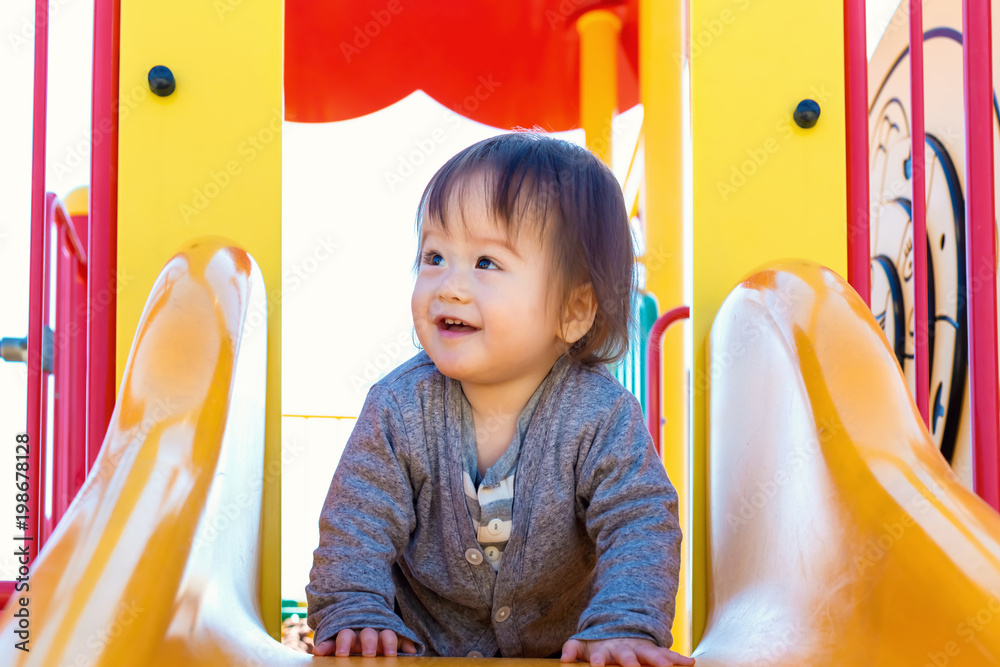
<point>453,288</point>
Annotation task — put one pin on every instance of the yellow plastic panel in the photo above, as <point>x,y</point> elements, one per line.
<point>762,187</point>
<point>838,533</point>
<point>660,47</point>
<point>205,160</point>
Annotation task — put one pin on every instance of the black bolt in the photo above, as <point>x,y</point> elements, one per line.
<point>806,114</point>
<point>161,81</point>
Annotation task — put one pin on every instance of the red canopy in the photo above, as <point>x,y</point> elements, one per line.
<point>504,64</point>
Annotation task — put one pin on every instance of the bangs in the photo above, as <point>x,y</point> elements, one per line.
<point>520,185</point>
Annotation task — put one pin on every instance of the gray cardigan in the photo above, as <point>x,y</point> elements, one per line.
<point>595,548</point>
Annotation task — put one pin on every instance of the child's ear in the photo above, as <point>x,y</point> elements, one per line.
<point>579,314</point>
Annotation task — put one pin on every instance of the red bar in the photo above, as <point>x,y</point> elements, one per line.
<point>980,248</point>
<point>6,590</point>
<point>45,521</point>
<point>68,227</point>
<point>919,206</point>
<point>69,350</point>
<point>654,374</point>
<point>102,249</point>
<point>77,463</point>
<point>35,279</point>
<point>858,212</point>
<point>66,274</point>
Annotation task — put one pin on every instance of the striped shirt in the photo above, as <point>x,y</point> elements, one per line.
<point>490,498</point>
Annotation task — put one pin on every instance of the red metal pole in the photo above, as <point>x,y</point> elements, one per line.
<point>981,250</point>
<point>919,208</point>
<point>856,79</point>
<point>76,462</point>
<point>61,365</point>
<point>45,521</point>
<point>69,362</point>
<point>35,280</point>
<point>654,376</point>
<point>102,248</point>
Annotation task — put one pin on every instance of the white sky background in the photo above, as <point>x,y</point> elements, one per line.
<point>342,317</point>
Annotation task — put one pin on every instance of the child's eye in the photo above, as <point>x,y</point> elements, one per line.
<point>431,257</point>
<point>485,263</point>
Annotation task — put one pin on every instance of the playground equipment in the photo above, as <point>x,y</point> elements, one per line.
<point>821,523</point>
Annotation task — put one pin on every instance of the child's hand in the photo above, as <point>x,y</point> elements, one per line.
<point>368,642</point>
<point>627,652</point>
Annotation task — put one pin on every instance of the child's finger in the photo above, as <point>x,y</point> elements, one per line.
<point>653,655</point>
<point>678,659</point>
<point>572,650</point>
<point>388,639</point>
<point>344,640</point>
<point>599,657</point>
<point>324,647</point>
<point>369,642</point>
<point>625,656</point>
<point>407,646</point>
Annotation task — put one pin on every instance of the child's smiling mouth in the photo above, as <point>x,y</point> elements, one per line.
<point>452,327</point>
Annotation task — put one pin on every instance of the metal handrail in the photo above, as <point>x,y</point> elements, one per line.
<point>654,378</point>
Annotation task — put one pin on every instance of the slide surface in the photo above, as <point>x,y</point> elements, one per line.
<point>838,533</point>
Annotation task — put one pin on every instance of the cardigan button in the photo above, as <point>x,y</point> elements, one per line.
<point>474,654</point>
<point>474,556</point>
<point>503,613</point>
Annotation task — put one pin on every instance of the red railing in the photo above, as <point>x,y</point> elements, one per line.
<point>36,284</point>
<point>66,360</point>
<point>82,349</point>
<point>654,378</point>
<point>921,337</point>
<point>980,236</point>
<point>980,244</point>
<point>856,84</point>
<point>103,246</point>
<point>69,353</point>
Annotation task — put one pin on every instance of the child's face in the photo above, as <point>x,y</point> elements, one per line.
<point>470,274</point>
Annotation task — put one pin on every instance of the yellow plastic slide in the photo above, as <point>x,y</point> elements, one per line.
<point>839,536</point>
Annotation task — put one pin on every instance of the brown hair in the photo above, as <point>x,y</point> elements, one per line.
<point>548,181</point>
